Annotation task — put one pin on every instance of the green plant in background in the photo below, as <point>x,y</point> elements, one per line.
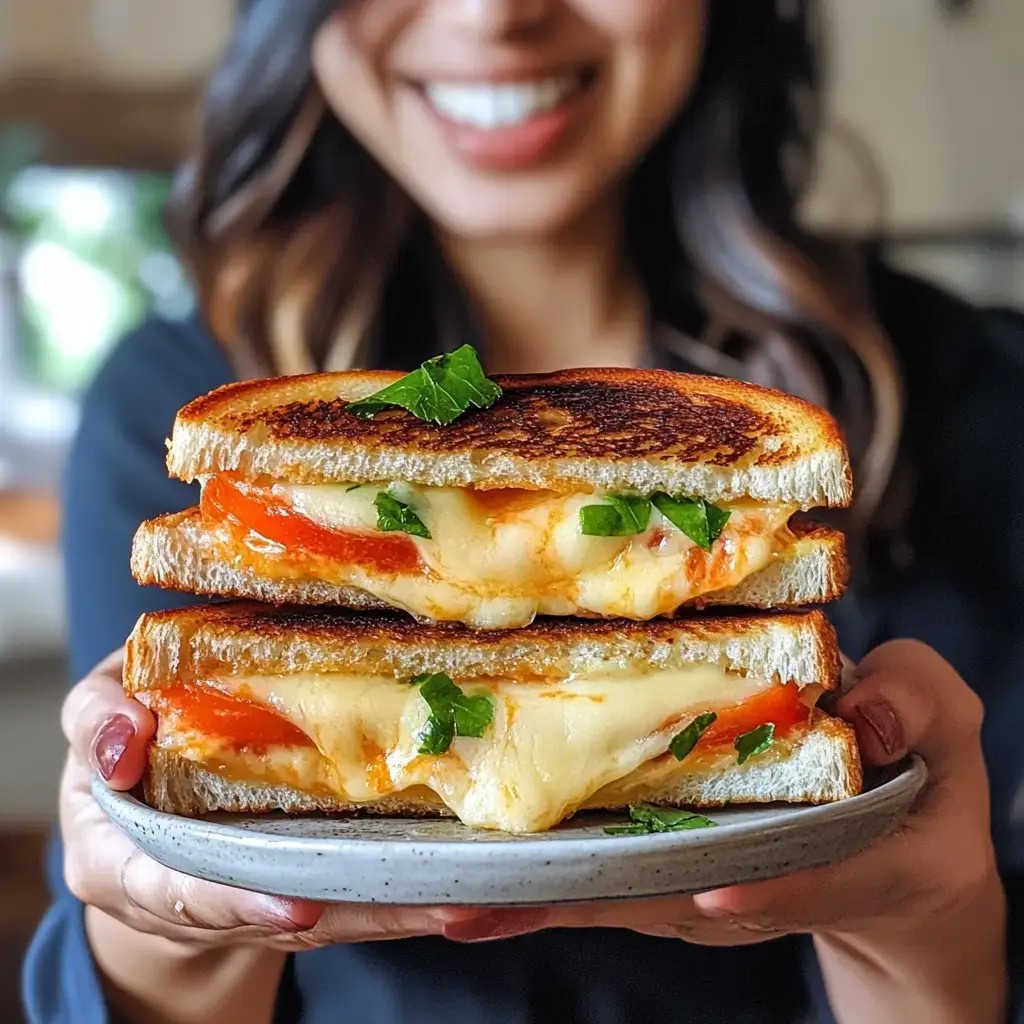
<point>93,258</point>
<point>19,146</point>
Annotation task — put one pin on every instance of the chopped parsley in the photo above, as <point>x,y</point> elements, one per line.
<point>452,713</point>
<point>685,741</point>
<point>440,391</point>
<point>394,516</point>
<point>622,516</point>
<point>755,742</point>
<point>626,516</point>
<point>646,820</point>
<point>701,521</point>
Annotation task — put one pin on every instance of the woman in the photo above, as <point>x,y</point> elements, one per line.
<point>565,182</point>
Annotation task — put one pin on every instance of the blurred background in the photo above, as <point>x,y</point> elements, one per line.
<point>924,154</point>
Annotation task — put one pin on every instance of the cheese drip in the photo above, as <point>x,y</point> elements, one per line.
<point>550,746</point>
<point>498,559</point>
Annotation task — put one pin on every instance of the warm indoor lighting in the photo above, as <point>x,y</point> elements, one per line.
<point>144,43</point>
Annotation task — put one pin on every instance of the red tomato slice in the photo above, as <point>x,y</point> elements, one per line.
<point>234,719</point>
<point>226,498</point>
<point>780,705</point>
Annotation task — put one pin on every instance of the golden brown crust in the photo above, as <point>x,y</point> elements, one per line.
<point>589,414</point>
<point>244,637</point>
<point>344,627</point>
<point>568,423</point>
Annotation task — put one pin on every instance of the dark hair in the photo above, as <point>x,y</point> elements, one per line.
<point>297,238</point>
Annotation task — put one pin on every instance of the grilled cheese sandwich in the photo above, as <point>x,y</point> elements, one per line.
<point>615,497</point>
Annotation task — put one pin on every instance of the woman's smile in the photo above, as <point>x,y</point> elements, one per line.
<point>510,119</point>
<point>504,125</point>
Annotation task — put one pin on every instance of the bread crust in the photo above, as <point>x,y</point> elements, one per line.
<point>587,430</point>
<point>822,766</point>
<point>242,638</point>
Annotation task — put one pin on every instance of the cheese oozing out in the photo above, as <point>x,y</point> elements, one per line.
<point>498,559</point>
<point>551,747</point>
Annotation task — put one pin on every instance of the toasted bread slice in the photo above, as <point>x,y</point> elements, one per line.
<point>823,765</point>
<point>594,430</point>
<point>243,638</point>
<point>171,552</point>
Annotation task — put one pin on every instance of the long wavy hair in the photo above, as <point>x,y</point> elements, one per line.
<point>307,255</point>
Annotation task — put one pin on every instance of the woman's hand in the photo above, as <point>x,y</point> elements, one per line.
<point>910,929</point>
<point>152,929</point>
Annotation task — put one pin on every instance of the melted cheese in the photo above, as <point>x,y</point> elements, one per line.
<point>497,561</point>
<point>551,746</point>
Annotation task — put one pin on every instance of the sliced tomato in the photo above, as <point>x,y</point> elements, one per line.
<point>780,705</point>
<point>257,510</point>
<point>241,722</point>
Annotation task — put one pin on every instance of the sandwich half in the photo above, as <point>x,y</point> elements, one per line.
<point>303,711</point>
<point>605,493</point>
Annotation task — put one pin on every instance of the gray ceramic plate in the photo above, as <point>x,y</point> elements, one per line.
<point>392,860</point>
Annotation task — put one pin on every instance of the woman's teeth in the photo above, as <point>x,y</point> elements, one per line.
<point>498,104</point>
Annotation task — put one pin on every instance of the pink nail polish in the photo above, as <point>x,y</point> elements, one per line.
<point>879,717</point>
<point>110,744</point>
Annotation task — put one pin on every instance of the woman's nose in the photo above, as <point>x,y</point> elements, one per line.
<point>497,17</point>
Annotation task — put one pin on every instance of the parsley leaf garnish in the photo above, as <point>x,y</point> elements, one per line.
<point>452,713</point>
<point>685,741</point>
<point>646,820</point>
<point>757,741</point>
<point>394,516</point>
<point>626,516</point>
<point>440,391</point>
<point>623,516</point>
<point>701,521</point>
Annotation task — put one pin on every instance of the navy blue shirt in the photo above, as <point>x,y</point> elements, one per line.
<point>959,587</point>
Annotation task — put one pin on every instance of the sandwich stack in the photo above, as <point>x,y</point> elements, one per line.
<point>506,600</point>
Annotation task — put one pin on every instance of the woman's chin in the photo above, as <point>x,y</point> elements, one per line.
<point>507,209</point>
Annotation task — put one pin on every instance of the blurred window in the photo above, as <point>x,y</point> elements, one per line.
<point>83,258</point>
<point>92,257</point>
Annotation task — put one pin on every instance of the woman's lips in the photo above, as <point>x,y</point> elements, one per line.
<point>516,145</point>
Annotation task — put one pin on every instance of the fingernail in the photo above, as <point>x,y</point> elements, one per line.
<point>110,744</point>
<point>289,915</point>
<point>879,717</point>
<point>495,925</point>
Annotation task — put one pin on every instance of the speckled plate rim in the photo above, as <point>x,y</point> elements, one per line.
<point>566,865</point>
